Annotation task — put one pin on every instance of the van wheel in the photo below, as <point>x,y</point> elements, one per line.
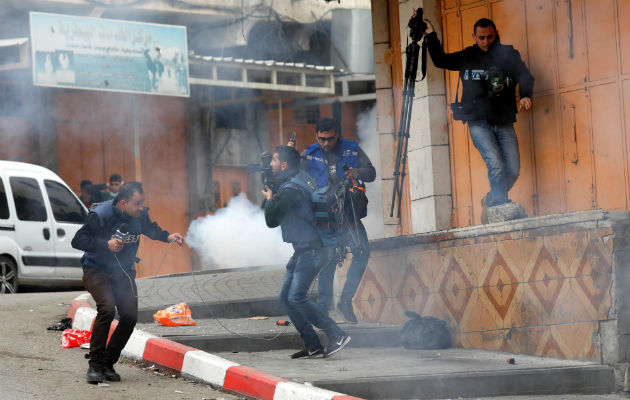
<point>8,276</point>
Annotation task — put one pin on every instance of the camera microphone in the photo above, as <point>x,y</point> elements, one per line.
<point>122,231</point>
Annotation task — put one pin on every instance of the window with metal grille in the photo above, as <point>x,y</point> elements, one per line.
<point>306,115</point>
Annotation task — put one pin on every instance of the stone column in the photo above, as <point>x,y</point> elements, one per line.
<point>383,58</point>
<point>428,152</point>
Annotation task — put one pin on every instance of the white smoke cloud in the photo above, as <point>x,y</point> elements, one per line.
<point>237,236</point>
<point>368,139</point>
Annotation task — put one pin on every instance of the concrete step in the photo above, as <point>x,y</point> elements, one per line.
<point>590,379</point>
<point>258,342</point>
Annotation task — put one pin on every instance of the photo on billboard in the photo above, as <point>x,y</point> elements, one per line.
<point>104,54</point>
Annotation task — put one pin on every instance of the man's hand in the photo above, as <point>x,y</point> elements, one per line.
<point>525,103</point>
<point>352,172</point>
<point>175,237</point>
<point>291,143</point>
<point>267,193</point>
<point>115,245</point>
<point>429,27</point>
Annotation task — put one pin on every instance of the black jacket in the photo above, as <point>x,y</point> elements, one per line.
<point>292,209</point>
<point>102,223</point>
<point>471,63</point>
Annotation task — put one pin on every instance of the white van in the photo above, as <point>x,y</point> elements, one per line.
<point>39,216</point>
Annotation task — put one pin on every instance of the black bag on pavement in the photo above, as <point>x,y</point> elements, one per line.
<point>425,333</point>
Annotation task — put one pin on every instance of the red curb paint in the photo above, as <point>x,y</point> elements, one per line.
<point>346,397</point>
<point>251,382</point>
<point>75,305</point>
<point>165,353</point>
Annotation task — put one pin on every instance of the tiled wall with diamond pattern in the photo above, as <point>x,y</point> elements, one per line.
<point>539,292</point>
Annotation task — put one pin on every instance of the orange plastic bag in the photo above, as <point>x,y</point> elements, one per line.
<point>74,338</point>
<point>177,315</point>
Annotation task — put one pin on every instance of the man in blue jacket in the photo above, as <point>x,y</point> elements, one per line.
<point>325,161</point>
<point>109,273</point>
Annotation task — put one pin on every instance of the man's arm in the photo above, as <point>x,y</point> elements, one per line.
<point>303,161</point>
<point>153,230</point>
<point>450,61</point>
<point>525,81</point>
<point>277,206</point>
<point>367,172</point>
<point>87,238</point>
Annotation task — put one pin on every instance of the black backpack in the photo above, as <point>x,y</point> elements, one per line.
<point>425,333</point>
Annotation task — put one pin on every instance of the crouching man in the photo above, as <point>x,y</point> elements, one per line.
<point>110,239</point>
<point>291,208</point>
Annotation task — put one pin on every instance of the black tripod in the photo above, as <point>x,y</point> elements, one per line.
<point>417,27</point>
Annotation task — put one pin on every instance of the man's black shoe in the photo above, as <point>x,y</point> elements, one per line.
<point>336,345</point>
<point>110,374</point>
<point>347,311</point>
<point>94,375</point>
<point>306,352</point>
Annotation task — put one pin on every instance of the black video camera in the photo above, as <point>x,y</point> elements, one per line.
<point>416,25</point>
<point>496,81</point>
<point>266,173</point>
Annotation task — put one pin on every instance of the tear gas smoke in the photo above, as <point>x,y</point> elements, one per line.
<point>368,139</point>
<point>237,236</point>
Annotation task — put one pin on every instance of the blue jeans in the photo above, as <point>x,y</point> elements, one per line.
<point>360,248</point>
<point>498,147</point>
<point>302,269</point>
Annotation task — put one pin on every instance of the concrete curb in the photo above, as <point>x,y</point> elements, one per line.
<point>199,365</point>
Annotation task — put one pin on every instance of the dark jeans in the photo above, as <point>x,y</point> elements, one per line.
<point>498,147</point>
<point>303,312</point>
<point>360,248</point>
<point>111,291</point>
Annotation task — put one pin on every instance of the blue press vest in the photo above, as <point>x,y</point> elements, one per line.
<point>110,219</point>
<point>298,225</point>
<point>316,165</point>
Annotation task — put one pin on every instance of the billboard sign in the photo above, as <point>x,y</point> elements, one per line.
<point>105,54</point>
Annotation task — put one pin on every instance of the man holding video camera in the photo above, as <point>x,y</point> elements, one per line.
<point>489,72</point>
<point>290,206</point>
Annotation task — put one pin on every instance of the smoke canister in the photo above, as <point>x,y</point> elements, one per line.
<point>283,323</point>
<point>511,361</point>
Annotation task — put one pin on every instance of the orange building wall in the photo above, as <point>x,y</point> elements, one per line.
<point>95,140</point>
<point>574,143</point>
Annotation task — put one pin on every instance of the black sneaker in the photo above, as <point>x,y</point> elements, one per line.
<point>310,353</point>
<point>347,311</point>
<point>94,375</point>
<point>110,374</point>
<point>337,344</point>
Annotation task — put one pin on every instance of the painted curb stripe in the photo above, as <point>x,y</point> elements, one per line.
<point>166,353</point>
<point>136,344</point>
<point>294,390</point>
<point>251,382</point>
<point>84,318</point>
<point>206,367</point>
<point>201,365</point>
<point>75,305</point>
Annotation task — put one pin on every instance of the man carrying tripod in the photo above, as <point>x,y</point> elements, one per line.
<point>325,161</point>
<point>489,72</point>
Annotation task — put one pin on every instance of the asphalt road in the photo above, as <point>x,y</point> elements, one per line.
<point>34,366</point>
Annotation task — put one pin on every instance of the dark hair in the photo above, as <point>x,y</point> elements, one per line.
<point>128,190</point>
<point>484,23</point>
<point>325,125</point>
<point>86,182</point>
<point>115,178</point>
<point>290,155</point>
